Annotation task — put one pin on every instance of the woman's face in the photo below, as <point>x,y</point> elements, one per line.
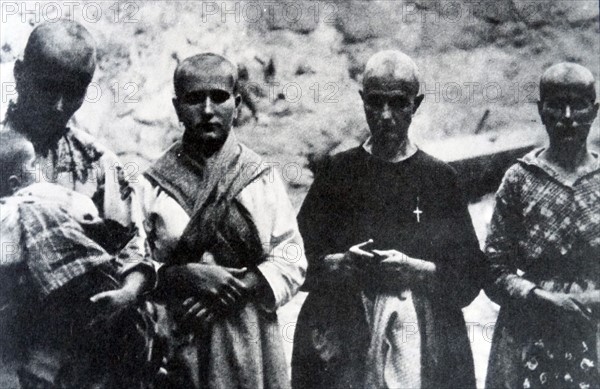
<point>568,114</point>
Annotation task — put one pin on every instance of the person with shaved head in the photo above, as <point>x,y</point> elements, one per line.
<point>543,248</point>
<point>220,222</point>
<point>392,252</point>
<point>51,81</point>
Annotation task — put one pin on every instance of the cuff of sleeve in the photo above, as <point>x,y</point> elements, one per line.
<point>148,269</point>
<point>278,286</point>
<point>519,287</point>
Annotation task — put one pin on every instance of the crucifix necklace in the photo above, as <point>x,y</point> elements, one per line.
<point>417,211</point>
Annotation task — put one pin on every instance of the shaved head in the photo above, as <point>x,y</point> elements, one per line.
<point>206,101</point>
<point>216,71</point>
<point>391,70</point>
<point>61,47</point>
<point>567,75</point>
<point>567,108</point>
<point>390,98</point>
<point>15,151</point>
<point>52,79</point>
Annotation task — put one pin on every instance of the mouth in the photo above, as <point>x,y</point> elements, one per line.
<point>208,127</point>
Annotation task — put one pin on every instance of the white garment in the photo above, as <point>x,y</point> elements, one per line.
<point>400,156</point>
<point>267,202</point>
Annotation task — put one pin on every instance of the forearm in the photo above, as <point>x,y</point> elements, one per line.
<point>590,299</point>
<point>174,280</point>
<point>401,272</point>
<point>507,286</point>
<point>258,288</point>
<point>424,272</point>
<point>331,272</point>
<point>136,282</point>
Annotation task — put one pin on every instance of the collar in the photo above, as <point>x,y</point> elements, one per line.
<point>42,145</point>
<point>411,149</point>
<point>533,159</point>
<point>230,148</point>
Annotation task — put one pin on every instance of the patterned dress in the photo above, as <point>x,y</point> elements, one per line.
<point>545,233</point>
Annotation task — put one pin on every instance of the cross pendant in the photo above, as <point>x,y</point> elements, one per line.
<point>418,212</point>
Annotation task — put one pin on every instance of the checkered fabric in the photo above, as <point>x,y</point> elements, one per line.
<point>540,215</point>
<point>56,247</point>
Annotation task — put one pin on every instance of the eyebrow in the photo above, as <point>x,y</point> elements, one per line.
<point>393,93</point>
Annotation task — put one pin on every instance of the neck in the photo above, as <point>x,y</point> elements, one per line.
<point>198,152</point>
<point>41,138</point>
<point>201,151</point>
<point>391,150</point>
<point>567,156</point>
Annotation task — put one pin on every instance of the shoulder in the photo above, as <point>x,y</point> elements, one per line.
<point>78,206</point>
<point>516,173</point>
<point>9,212</point>
<point>434,166</point>
<point>514,183</point>
<point>90,147</point>
<point>267,185</point>
<point>433,172</point>
<point>334,166</point>
<point>249,156</point>
<point>346,158</point>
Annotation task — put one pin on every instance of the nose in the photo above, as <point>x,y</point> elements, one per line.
<point>567,112</point>
<point>59,104</point>
<point>386,113</point>
<point>208,107</point>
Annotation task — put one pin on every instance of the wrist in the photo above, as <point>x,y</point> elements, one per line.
<point>537,295</point>
<point>424,269</point>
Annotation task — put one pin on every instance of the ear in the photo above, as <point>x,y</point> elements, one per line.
<point>19,72</point>
<point>238,105</point>
<point>14,184</point>
<point>176,106</point>
<point>417,103</point>
<point>540,106</point>
<point>595,110</point>
<point>18,69</point>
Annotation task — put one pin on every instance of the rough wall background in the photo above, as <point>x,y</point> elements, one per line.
<point>474,57</point>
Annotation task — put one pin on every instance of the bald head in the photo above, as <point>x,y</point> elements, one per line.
<point>16,152</point>
<point>570,76</point>
<point>391,70</point>
<point>61,47</point>
<point>213,70</point>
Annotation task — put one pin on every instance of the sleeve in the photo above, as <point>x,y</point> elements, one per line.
<point>316,217</point>
<point>118,202</point>
<point>11,255</point>
<point>285,265</point>
<point>10,234</point>
<point>460,272</point>
<point>501,246</point>
<point>12,272</point>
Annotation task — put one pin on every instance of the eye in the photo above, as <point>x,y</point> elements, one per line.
<point>580,104</point>
<point>375,101</point>
<point>194,98</point>
<point>219,96</point>
<point>554,104</point>
<point>399,102</point>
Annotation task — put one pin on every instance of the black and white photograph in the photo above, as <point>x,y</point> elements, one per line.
<point>302,194</point>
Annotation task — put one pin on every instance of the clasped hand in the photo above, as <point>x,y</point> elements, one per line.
<point>214,289</point>
<point>389,266</point>
<point>566,305</point>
